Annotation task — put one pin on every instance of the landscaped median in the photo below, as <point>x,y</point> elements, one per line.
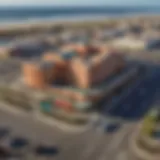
<point>15,101</point>
<point>143,147</point>
<point>66,121</point>
<point>44,106</point>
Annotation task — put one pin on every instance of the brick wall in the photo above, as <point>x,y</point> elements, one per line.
<point>80,73</point>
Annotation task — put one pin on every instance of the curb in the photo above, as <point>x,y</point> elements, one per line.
<point>44,119</point>
<point>139,152</point>
<point>13,109</point>
<point>60,124</point>
<point>151,142</point>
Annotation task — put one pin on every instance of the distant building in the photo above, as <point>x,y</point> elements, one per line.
<point>129,43</point>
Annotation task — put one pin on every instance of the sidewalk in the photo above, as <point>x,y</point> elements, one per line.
<point>61,124</point>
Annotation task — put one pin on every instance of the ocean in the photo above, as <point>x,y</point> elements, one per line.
<point>33,14</point>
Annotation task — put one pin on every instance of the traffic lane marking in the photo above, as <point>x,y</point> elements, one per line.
<point>120,136</point>
<point>99,148</point>
<point>96,146</point>
<point>118,139</point>
<point>121,155</point>
<point>73,148</point>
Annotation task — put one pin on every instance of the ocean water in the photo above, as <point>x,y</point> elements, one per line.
<point>33,14</point>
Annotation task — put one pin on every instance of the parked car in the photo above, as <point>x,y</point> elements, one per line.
<point>3,132</point>
<point>18,143</point>
<point>112,127</point>
<point>46,151</point>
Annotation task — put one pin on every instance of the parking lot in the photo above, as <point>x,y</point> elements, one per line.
<point>96,143</point>
<point>92,144</point>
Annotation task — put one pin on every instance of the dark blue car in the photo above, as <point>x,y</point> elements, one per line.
<point>46,150</point>
<point>18,143</point>
<point>113,127</point>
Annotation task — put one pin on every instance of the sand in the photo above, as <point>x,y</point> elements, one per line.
<point>15,29</point>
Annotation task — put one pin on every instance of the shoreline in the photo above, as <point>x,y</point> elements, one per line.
<point>13,29</point>
<point>74,19</point>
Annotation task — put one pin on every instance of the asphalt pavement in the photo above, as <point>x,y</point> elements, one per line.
<point>93,144</point>
<point>90,145</point>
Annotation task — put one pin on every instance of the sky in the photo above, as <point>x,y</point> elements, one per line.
<point>77,2</point>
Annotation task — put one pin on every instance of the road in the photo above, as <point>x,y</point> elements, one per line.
<point>93,144</point>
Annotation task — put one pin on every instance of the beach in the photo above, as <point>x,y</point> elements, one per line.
<point>15,28</point>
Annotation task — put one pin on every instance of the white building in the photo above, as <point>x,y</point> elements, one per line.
<point>129,43</point>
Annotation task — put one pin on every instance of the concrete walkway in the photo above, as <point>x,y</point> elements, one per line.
<point>61,124</point>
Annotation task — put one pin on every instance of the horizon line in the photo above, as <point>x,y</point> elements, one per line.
<point>78,6</point>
